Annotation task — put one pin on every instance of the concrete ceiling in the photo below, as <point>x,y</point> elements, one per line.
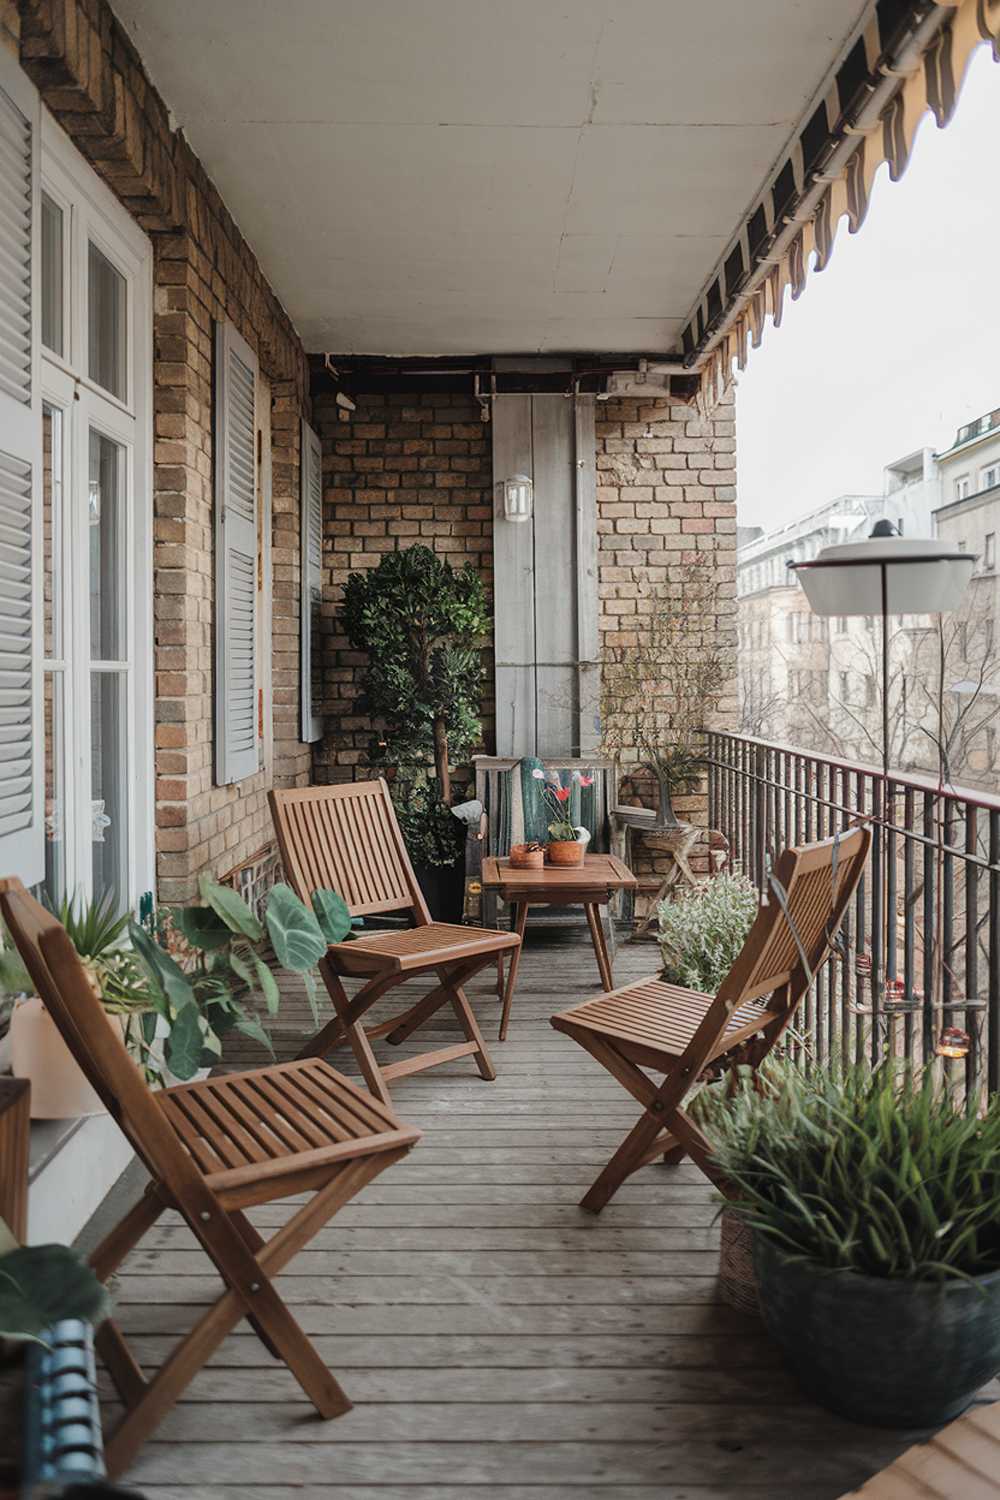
<point>488,176</point>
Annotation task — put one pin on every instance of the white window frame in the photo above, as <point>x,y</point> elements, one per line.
<point>91,213</point>
<point>963,485</point>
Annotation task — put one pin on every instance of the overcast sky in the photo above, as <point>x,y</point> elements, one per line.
<point>897,342</point>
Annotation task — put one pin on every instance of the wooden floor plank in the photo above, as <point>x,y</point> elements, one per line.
<point>496,1341</point>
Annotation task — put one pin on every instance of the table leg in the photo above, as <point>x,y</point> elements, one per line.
<point>600,948</point>
<point>519,923</point>
<point>612,933</point>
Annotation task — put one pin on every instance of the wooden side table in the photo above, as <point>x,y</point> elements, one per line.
<point>676,844</point>
<point>590,885</point>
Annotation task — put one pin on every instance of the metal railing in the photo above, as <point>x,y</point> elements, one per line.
<point>916,972</point>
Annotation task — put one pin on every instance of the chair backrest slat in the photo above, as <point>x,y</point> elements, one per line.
<point>818,880</point>
<point>346,838</point>
<point>64,988</point>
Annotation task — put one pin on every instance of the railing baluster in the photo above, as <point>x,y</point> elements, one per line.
<point>909,925</point>
<point>861,935</point>
<point>931,814</point>
<point>926,894</point>
<point>972,1062</point>
<point>993,994</point>
<point>877,914</point>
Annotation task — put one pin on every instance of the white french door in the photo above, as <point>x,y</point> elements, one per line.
<point>97,529</point>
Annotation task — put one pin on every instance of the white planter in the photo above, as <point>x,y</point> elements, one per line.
<point>59,1088</point>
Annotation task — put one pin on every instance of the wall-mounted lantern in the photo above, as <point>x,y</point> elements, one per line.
<point>517,498</point>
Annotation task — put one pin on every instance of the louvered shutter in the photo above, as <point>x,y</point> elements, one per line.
<point>236,741</point>
<point>22,798</point>
<point>311,532</point>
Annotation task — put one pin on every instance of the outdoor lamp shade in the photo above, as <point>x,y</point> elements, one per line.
<point>922,577</point>
<point>517,496</point>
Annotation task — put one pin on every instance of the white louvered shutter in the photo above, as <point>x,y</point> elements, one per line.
<point>237,753</point>
<point>311,532</point>
<point>22,797</point>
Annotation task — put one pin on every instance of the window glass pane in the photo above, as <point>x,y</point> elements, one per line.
<point>109,762</point>
<point>52,275</point>
<point>52,461</point>
<point>55,789</point>
<point>106,323</point>
<point>107,549</point>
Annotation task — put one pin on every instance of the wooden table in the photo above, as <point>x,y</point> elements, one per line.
<point>590,885</point>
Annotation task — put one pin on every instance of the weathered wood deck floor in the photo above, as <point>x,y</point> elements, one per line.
<point>496,1340</point>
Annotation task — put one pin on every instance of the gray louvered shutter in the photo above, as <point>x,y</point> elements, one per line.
<point>237,753</point>
<point>22,798</point>
<point>311,532</point>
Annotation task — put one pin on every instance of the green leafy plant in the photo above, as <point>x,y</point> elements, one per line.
<point>881,1172</point>
<point>206,964</point>
<point>42,1284</point>
<point>422,624</point>
<point>702,931</point>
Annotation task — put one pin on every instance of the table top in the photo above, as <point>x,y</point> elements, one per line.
<point>598,872</point>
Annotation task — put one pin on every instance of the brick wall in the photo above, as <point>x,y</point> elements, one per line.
<point>402,470</point>
<point>666,499</point>
<point>405,469</point>
<point>91,79</point>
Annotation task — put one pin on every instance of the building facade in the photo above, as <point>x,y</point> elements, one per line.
<point>816,682</point>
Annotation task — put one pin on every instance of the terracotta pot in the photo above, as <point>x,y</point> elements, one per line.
<point>565,852</point>
<point>59,1088</point>
<point>525,857</point>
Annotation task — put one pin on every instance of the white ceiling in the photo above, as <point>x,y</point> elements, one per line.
<point>488,176</point>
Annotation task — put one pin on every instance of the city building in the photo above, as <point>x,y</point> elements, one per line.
<point>815,682</point>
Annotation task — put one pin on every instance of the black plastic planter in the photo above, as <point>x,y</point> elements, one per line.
<point>444,889</point>
<point>890,1353</point>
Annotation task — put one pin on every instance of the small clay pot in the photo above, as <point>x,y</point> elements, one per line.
<point>527,856</point>
<point>565,852</point>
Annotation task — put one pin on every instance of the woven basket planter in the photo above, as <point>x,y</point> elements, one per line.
<point>737,1277</point>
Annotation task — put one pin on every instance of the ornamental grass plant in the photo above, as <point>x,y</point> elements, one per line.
<point>881,1172</point>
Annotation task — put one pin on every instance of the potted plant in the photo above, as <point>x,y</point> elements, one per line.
<point>422,623</point>
<point>873,1197</point>
<point>702,931</point>
<point>173,989</point>
<point>205,964</point>
<point>567,841</point>
<point>660,682</point>
<point>59,1089</point>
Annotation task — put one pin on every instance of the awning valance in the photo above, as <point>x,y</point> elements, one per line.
<point>910,60</point>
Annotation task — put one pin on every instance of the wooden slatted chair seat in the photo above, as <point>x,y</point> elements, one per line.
<point>652,1019</point>
<point>417,948</point>
<point>346,838</point>
<point>212,1149</point>
<point>679,1032</point>
<point>248,1132</point>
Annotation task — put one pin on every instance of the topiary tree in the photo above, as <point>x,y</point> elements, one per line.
<point>421,623</point>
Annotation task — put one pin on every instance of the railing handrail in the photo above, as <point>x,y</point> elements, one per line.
<point>914,779</point>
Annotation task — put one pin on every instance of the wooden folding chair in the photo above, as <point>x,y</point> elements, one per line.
<point>346,838</point>
<point>681,1033</point>
<point>212,1149</point>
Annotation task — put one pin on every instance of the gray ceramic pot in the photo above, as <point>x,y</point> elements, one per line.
<point>891,1353</point>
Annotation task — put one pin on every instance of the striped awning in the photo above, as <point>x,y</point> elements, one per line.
<point>910,60</point>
